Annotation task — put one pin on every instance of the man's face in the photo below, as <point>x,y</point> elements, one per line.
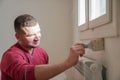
<point>31,36</point>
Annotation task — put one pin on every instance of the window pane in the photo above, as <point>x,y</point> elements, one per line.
<point>97,8</point>
<point>81,12</point>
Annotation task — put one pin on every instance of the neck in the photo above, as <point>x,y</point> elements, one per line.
<point>30,51</point>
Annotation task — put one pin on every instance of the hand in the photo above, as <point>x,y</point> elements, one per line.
<point>78,48</point>
<point>75,51</point>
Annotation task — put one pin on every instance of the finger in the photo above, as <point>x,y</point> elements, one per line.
<point>78,48</point>
<point>82,52</point>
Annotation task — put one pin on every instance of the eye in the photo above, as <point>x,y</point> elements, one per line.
<point>29,35</point>
<point>38,33</point>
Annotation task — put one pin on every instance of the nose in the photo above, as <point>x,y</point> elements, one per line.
<point>37,36</point>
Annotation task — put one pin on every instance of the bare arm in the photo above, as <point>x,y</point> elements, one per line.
<point>45,72</point>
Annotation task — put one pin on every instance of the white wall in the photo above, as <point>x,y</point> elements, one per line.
<point>110,57</point>
<point>54,19</point>
<point>113,57</point>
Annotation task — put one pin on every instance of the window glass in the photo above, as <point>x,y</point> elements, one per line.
<point>81,12</point>
<point>97,8</point>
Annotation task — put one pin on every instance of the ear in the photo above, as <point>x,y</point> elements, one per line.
<point>17,36</point>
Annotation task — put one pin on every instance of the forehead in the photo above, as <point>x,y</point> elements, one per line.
<point>33,29</point>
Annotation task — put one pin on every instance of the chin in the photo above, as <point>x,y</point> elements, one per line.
<point>34,46</point>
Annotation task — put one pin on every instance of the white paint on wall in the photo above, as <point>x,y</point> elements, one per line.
<point>111,55</point>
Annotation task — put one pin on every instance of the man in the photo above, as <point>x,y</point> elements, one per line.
<point>26,60</point>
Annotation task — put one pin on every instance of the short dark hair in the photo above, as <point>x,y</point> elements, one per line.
<point>24,20</point>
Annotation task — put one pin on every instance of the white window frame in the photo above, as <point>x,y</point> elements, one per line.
<point>104,19</point>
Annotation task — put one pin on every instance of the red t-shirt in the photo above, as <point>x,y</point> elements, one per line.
<point>17,64</point>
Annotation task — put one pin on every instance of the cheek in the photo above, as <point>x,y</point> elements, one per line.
<point>25,40</point>
<point>29,40</point>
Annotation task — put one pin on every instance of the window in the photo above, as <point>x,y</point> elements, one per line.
<point>81,12</point>
<point>93,13</point>
<point>95,18</point>
<point>97,8</point>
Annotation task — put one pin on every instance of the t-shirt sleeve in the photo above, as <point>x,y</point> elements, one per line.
<point>17,68</point>
<point>29,73</point>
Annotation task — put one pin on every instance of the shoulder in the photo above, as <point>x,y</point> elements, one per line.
<point>12,51</point>
<point>10,57</point>
<point>12,54</point>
